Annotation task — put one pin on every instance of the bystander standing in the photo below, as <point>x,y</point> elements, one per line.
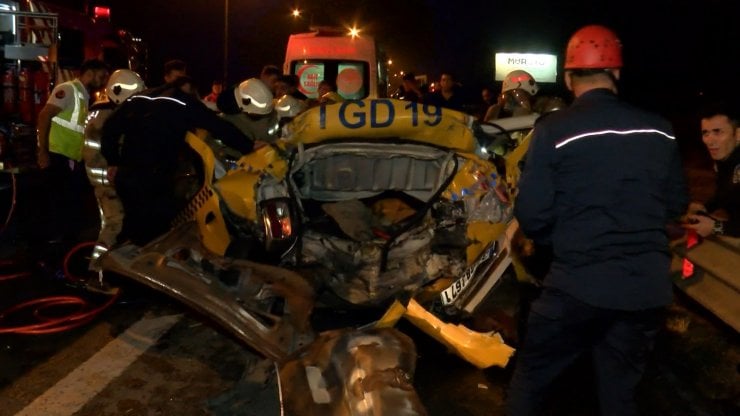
<point>270,75</point>
<point>411,90</point>
<point>210,100</point>
<point>174,69</point>
<point>288,84</point>
<point>216,87</point>
<point>488,98</point>
<point>447,95</point>
<point>720,131</point>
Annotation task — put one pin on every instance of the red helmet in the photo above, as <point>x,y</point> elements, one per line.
<point>593,46</point>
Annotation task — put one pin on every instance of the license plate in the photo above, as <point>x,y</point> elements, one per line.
<point>449,295</point>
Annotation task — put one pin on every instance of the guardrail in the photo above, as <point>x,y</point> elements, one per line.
<point>715,281</point>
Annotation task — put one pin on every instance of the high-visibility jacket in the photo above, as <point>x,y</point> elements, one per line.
<point>67,127</point>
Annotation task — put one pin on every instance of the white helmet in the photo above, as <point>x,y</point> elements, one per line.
<point>520,79</point>
<point>288,106</point>
<point>122,84</point>
<point>254,97</point>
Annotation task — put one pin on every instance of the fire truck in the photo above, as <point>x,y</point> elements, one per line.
<point>41,45</point>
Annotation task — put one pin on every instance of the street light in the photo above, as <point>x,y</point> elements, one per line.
<point>226,40</point>
<point>298,15</point>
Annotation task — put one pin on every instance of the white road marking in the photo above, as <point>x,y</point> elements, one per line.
<point>83,383</point>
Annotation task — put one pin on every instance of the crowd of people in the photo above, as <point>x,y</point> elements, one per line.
<point>603,219</point>
<point>517,96</point>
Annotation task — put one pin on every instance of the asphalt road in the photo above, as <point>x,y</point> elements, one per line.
<point>147,355</point>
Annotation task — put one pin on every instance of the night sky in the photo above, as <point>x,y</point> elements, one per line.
<point>673,49</point>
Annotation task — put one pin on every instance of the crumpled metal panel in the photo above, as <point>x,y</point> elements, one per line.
<point>352,372</point>
<point>352,268</point>
<point>359,170</point>
<point>238,294</point>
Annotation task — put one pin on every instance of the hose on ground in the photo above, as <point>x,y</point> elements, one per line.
<point>44,320</point>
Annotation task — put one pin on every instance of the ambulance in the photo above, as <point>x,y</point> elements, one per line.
<point>354,62</point>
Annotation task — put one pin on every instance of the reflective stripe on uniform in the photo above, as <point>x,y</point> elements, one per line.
<point>97,176</point>
<point>604,132</point>
<point>144,97</point>
<point>74,121</point>
<point>92,144</point>
<point>98,251</point>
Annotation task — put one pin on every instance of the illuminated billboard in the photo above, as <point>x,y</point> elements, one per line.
<point>543,67</point>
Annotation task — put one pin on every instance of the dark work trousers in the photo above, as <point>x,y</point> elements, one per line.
<point>561,328</point>
<point>65,185</point>
<point>149,205</point>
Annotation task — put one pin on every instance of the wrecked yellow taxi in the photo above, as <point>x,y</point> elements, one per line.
<point>378,204</point>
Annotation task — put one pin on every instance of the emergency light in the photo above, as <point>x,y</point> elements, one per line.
<point>100,12</point>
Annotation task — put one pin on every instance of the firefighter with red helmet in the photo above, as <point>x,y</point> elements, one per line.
<point>605,221</point>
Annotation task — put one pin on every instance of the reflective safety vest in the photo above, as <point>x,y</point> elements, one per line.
<point>66,133</point>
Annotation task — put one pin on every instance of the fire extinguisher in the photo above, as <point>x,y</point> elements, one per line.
<point>10,92</point>
<point>41,82</point>
<point>25,96</point>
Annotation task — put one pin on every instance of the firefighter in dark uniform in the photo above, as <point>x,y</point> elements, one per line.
<point>122,84</point>
<point>605,219</point>
<point>143,141</point>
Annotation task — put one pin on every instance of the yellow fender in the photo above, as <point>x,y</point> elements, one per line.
<point>237,189</point>
<point>268,159</point>
<point>513,173</point>
<point>512,162</point>
<point>481,234</point>
<point>483,350</point>
<point>204,208</point>
<point>474,177</point>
